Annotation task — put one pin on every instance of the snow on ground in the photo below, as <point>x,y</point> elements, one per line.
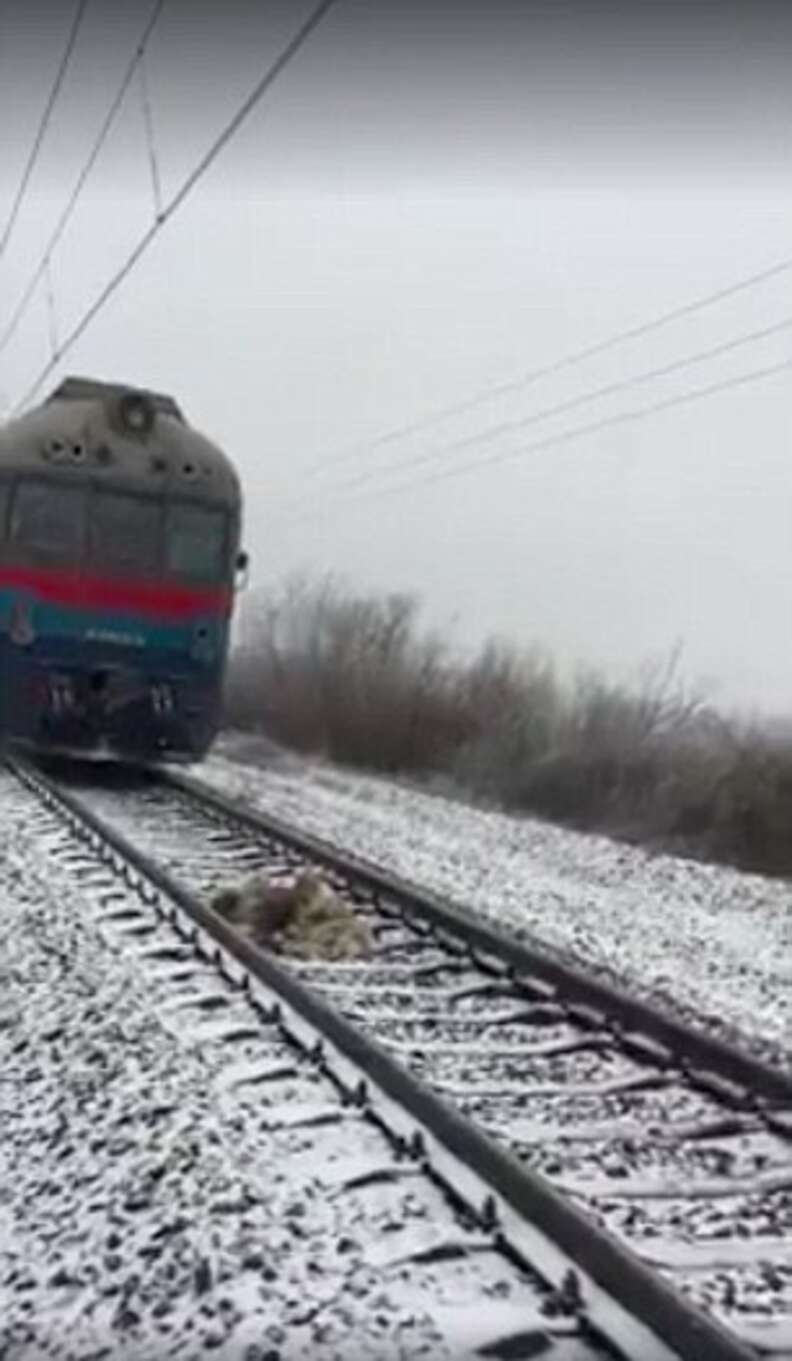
<point>710,943</point>
<point>147,1207</point>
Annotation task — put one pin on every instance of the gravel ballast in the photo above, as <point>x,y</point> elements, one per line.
<point>711,944</point>
<point>153,1204</point>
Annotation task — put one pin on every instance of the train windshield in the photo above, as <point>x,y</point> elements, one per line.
<point>195,543</point>
<point>5,497</point>
<point>125,533</point>
<point>48,522</point>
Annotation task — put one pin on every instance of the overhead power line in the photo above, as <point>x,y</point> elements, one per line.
<point>565,436</point>
<point>246,108</point>
<point>104,131</point>
<point>558,408</point>
<point>148,121</point>
<point>43,125</point>
<point>567,361</point>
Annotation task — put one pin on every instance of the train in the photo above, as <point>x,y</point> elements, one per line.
<point>120,560</point>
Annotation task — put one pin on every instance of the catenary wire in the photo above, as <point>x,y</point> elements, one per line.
<point>556,409</point>
<point>148,122</point>
<point>561,437</point>
<point>43,125</point>
<point>76,193</point>
<point>270,76</point>
<point>567,361</point>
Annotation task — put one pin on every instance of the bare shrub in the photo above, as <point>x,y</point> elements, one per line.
<point>352,677</point>
<point>609,764</point>
<point>751,808</point>
<point>512,707</point>
<point>345,675</point>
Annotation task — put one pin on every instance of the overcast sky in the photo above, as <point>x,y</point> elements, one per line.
<point>436,199</point>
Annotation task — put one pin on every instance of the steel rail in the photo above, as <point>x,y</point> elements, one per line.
<point>693,1050</point>
<point>634,1294</point>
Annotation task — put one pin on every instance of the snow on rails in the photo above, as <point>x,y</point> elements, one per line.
<point>576,1130</point>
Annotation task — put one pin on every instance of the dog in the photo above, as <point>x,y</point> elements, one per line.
<point>305,919</point>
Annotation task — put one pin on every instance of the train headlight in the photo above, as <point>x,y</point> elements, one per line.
<point>133,413</point>
<point>135,416</point>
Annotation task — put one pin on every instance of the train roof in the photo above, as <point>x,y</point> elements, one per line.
<point>74,389</point>
<point>122,436</point>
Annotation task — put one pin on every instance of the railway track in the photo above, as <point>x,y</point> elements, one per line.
<point>658,1161</point>
<point>416,1225</point>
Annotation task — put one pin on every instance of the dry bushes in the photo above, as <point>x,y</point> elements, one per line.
<point>346,676</point>
<point>750,811</point>
<point>352,678</point>
<point>512,715</point>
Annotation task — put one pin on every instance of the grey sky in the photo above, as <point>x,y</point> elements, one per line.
<point>434,199</point>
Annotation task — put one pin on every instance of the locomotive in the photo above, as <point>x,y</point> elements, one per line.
<point>119,560</point>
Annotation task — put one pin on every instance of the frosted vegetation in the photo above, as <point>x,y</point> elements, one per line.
<point>356,679</point>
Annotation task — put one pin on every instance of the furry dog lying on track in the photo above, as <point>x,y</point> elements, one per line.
<point>305,919</point>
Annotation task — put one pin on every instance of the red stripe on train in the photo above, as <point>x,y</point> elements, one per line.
<point>135,597</point>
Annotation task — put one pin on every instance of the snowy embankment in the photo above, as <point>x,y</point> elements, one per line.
<point>710,943</point>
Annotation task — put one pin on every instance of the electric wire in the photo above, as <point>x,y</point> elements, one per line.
<point>259,90</point>
<point>567,361</point>
<point>561,437</point>
<point>80,182</point>
<point>556,409</point>
<point>43,125</point>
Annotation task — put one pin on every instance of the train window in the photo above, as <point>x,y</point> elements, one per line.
<point>195,542</point>
<point>48,521</point>
<point>5,497</point>
<point>125,532</point>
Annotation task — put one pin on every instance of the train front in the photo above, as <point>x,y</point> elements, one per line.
<point>119,545</point>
